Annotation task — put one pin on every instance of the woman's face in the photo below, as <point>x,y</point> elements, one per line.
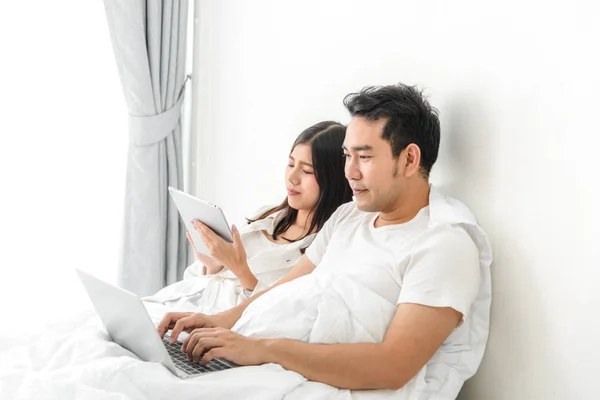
<point>300,180</point>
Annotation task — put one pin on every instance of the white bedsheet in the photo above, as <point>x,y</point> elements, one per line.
<point>75,359</point>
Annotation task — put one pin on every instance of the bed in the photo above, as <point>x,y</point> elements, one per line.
<point>72,357</point>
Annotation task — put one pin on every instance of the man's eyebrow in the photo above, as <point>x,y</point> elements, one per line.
<point>364,147</point>
<point>302,162</point>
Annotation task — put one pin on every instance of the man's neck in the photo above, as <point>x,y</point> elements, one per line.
<point>414,198</point>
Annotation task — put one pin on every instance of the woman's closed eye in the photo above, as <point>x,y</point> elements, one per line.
<point>306,171</point>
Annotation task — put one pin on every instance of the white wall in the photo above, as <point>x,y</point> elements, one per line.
<point>517,86</point>
<point>62,156</point>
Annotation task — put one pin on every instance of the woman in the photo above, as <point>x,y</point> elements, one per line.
<point>273,241</point>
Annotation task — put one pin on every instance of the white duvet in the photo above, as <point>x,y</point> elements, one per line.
<point>76,360</point>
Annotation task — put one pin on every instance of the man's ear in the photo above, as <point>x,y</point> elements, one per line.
<point>412,160</point>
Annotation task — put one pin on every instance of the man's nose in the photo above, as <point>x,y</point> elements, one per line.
<point>351,171</point>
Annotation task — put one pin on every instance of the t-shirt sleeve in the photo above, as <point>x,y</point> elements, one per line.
<point>443,271</point>
<point>316,250</point>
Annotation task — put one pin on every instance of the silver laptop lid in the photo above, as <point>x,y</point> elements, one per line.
<point>126,320</point>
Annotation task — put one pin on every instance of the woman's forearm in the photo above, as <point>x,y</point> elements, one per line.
<point>247,279</point>
<point>211,270</point>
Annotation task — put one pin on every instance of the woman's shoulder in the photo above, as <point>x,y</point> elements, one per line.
<point>260,211</point>
<point>255,222</point>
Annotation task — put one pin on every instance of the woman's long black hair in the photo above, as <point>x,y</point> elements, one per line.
<point>325,140</point>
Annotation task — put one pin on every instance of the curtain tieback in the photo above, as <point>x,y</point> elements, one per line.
<point>145,130</point>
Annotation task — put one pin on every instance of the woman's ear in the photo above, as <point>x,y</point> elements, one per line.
<point>412,160</point>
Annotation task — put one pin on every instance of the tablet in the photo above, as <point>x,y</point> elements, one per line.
<point>191,208</point>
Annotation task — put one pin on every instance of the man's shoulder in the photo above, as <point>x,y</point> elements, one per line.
<point>346,212</point>
<point>346,208</point>
<point>446,239</point>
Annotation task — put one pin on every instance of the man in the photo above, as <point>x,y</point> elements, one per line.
<point>400,238</point>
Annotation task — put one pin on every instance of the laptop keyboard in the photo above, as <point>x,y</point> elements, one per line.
<point>180,360</point>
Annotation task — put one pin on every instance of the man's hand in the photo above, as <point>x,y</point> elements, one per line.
<point>169,320</point>
<point>223,343</point>
<point>179,322</point>
<point>183,321</point>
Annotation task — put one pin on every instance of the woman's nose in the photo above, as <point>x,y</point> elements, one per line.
<point>293,177</point>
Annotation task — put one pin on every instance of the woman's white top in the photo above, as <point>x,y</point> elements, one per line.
<point>211,294</point>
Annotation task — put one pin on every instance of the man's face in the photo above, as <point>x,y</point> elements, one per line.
<point>373,173</point>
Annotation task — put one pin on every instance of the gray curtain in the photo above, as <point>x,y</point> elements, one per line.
<point>149,42</point>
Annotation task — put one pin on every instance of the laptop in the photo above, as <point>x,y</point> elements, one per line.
<point>129,325</point>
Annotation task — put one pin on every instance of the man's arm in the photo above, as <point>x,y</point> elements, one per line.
<point>414,335</point>
<point>438,288</point>
<point>178,322</point>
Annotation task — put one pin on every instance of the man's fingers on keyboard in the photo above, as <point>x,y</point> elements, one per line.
<point>216,352</point>
<point>194,332</point>
<point>177,329</point>
<point>206,344</point>
<point>186,342</point>
<point>197,352</point>
<point>168,322</point>
<point>190,344</point>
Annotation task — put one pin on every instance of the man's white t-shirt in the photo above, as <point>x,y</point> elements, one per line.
<point>440,258</point>
<point>404,263</point>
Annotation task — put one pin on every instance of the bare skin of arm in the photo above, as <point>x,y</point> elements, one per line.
<point>414,335</point>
